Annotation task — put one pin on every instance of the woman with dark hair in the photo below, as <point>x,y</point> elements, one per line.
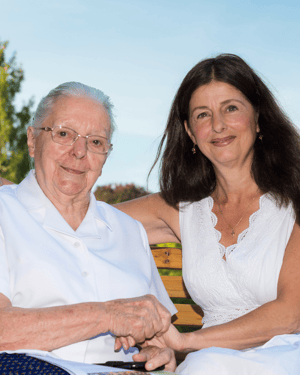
<point>230,192</point>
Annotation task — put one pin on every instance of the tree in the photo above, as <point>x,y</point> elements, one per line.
<point>14,158</point>
<point>117,193</point>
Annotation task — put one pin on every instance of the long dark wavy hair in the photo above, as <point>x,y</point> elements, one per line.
<point>185,177</point>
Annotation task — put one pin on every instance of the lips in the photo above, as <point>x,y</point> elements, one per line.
<point>221,142</point>
<point>72,171</point>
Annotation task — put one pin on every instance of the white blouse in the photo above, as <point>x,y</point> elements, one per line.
<point>44,262</point>
<point>228,289</point>
<point>247,279</point>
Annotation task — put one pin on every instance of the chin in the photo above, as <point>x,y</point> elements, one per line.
<point>71,188</point>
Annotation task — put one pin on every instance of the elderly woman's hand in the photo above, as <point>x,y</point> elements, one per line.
<point>137,319</point>
<point>156,357</point>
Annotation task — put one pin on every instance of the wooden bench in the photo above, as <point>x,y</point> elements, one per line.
<point>189,316</point>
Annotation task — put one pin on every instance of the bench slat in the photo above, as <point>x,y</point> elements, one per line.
<point>175,286</point>
<point>171,258</point>
<point>189,315</point>
<point>167,257</point>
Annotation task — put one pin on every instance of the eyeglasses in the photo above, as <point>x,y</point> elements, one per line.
<point>67,137</point>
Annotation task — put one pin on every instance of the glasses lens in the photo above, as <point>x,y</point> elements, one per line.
<point>64,136</point>
<point>98,145</point>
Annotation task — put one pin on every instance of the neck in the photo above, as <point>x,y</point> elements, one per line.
<point>233,185</point>
<point>72,208</point>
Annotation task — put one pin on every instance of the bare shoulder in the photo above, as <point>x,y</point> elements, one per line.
<point>160,220</point>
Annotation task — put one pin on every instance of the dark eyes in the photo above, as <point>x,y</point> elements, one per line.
<point>202,115</point>
<point>62,134</point>
<point>232,108</point>
<point>97,142</point>
<point>228,109</point>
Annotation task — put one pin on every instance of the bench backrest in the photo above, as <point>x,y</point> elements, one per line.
<point>171,259</point>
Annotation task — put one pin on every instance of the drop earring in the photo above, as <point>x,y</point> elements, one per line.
<point>194,149</point>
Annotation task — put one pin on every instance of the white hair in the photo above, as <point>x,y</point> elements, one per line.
<point>72,89</point>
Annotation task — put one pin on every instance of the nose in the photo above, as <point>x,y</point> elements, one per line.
<point>218,123</point>
<point>80,147</point>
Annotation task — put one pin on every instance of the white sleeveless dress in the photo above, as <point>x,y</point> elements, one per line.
<point>229,289</point>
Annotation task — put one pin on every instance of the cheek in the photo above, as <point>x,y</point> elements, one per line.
<point>245,123</point>
<point>96,164</point>
<point>250,130</point>
<point>201,132</point>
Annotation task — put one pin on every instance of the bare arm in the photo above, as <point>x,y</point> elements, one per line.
<point>160,220</point>
<point>54,327</point>
<point>280,316</point>
<point>3,181</point>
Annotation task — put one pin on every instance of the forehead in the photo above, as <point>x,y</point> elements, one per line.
<point>215,91</point>
<point>81,114</point>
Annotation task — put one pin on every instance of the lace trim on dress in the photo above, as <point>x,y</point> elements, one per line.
<point>228,289</point>
<point>226,251</point>
<point>221,316</point>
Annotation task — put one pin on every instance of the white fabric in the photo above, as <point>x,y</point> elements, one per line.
<point>229,289</point>
<point>44,262</point>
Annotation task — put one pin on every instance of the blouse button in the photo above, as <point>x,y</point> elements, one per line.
<point>84,274</point>
<point>77,244</point>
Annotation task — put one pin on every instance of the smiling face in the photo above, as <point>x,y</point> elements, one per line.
<point>69,171</point>
<point>223,124</point>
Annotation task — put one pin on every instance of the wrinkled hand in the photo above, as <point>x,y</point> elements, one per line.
<point>156,357</point>
<point>172,339</point>
<point>137,319</point>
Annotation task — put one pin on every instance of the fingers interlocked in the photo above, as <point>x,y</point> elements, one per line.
<point>136,319</point>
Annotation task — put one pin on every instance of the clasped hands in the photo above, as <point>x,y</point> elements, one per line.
<point>142,321</point>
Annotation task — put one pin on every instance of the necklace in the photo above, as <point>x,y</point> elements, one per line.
<point>233,227</point>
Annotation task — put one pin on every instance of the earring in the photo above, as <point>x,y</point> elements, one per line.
<point>194,149</point>
<point>260,136</point>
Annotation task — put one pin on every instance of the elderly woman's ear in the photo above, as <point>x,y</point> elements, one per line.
<point>31,141</point>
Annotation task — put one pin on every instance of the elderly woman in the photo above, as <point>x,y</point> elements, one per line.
<point>230,191</point>
<point>74,272</point>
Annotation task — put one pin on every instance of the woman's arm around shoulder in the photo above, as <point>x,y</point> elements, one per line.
<point>160,220</point>
<point>3,181</point>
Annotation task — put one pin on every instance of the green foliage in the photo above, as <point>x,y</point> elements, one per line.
<point>117,193</point>
<point>168,272</point>
<point>14,158</point>
<point>174,245</point>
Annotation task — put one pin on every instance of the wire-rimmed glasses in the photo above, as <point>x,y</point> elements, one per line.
<point>67,137</point>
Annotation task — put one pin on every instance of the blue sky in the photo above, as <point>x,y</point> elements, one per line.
<point>138,52</point>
